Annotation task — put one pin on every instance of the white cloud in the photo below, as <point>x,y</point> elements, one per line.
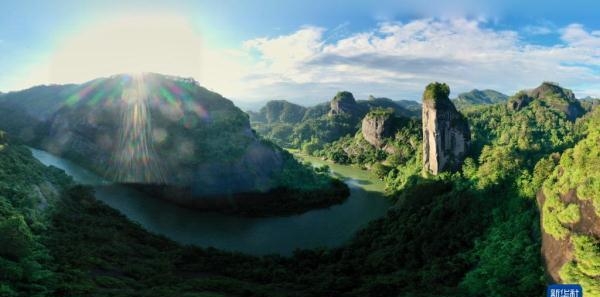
<point>575,34</point>
<point>398,59</point>
<point>309,65</point>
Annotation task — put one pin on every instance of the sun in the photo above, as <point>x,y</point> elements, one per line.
<point>163,44</point>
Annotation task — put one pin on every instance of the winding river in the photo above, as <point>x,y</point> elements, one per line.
<point>329,227</point>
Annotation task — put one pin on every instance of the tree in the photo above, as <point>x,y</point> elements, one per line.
<point>15,238</point>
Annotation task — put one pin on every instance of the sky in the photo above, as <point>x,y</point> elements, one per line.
<point>306,51</point>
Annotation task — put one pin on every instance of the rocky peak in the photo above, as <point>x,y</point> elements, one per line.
<point>378,125</point>
<point>343,103</point>
<point>549,89</point>
<point>446,134</point>
<point>551,95</point>
<point>519,101</point>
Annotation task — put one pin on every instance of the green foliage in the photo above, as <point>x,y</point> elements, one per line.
<point>436,91</point>
<point>311,147</point>
<point>479,97</point>
<point>576,176</point>
<point>507,257</point>
<point>569,215</point>
<point>16,239</point>
<point>474,233</point>
<point>550,221</point>
<point>587,254</point>
<point>571,274</point>
<point>279,111</point>
<point>380,170</point>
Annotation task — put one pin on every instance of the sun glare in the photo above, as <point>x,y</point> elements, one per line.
<point>160,44</point>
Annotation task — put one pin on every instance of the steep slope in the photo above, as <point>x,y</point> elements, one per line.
<point>446,134</point>
<point>570,208</point>
<point>343,103</point>
<point>549,94</point>
<point>39,102</point>
<point>22,112</point>
<point>169,136</point>
<point>378,125</point>
<point>322,123</point>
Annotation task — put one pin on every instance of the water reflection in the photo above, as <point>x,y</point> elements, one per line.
<point>328,227</point>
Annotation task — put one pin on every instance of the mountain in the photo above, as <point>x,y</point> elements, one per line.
<point>53,98</point>
<point>480,97</point>
<point>589,103</point>
<point>279,120</point>
<point>250,105</point>
<point>167,135</point>
<point>549,94</point>
<point>279,111</point>
<point>20,111</point>
<point>456,234</point>
<point>410,105</point>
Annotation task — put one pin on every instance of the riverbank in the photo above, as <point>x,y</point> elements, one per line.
<point>279,201</point>
<point>319,228</point>
<point>352,175</point>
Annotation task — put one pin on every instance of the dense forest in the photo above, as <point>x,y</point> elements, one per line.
<point>475,232</point>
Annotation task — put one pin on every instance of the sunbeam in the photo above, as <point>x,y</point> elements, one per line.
<point>134,159</point>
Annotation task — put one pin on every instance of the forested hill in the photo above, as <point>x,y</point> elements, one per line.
<point>479,97</point>
<point>166,135</point>
<point>294,126</point>
<point>475,232</point>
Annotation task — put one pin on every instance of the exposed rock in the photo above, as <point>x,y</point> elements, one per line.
<point>446,134</point>
<point>378,125</point>
<point>552,95</point>
<point>519,101</point>
<point>556,251</point>
<point>344,103</point>
<point>548,89</point>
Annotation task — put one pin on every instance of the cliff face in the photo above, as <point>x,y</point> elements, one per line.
<point>377,126</point>
<point>549,94</point>
<point>344,103</point>
<point>446,134</point>
<point>155,129</point>
<point>569,205</point>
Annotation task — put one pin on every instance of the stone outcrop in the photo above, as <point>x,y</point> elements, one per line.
<point>344,103</point>
<point>551,95</point>
<point>378,125</point>
<point>446,134</point>
<point>519,101</point>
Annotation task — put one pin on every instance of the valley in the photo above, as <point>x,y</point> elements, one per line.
<point>323,228</point>
<point>177,148</point>
<point>463,201</point>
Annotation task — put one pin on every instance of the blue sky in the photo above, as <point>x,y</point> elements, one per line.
<point>305,51</point>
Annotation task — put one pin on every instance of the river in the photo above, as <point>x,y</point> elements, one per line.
<point>328,227</point>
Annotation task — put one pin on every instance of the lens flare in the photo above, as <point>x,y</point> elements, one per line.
<point>135,159</point>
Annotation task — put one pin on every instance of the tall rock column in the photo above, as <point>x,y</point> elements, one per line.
<point>446,134</point>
